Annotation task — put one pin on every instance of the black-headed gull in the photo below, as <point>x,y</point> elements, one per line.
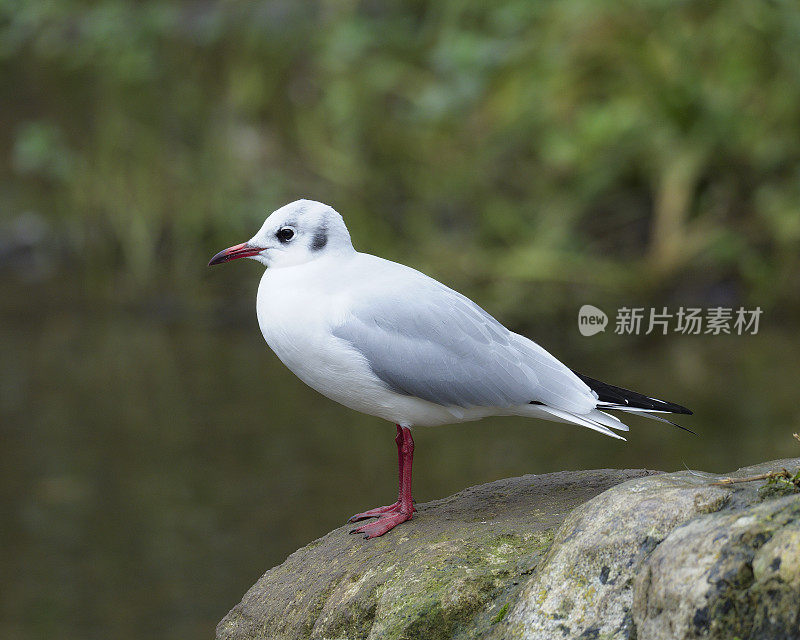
<point>389,341</point>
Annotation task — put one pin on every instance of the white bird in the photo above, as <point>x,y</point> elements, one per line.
<point>389,341</point>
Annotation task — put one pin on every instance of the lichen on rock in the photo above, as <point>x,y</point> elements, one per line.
<point>589,554</point>
<point>725,575</point>
<point>444,574</point>
<point>585,584</point>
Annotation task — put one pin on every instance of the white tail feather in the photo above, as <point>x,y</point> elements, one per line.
<point>628,409</point>
<point>586,420</point>
<point>608,420</point>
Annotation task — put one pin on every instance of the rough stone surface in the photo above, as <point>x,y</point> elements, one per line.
<point>585,584</point>
<point>588,554</point>
<point>446,573</point>
<point>726,575</point>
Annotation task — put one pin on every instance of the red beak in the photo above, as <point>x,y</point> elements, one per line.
<point>243,250</point>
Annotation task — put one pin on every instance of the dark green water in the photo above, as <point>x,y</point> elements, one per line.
<point>155,462</point>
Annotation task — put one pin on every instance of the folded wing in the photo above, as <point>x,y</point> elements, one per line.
<point>431,342</point>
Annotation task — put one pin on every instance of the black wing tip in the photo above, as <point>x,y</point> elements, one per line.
<point>633,399</point>
<point>676,408</point>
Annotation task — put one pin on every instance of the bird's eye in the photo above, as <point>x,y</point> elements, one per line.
<point>285,234</point>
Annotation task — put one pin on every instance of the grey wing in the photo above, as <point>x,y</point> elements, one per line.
<point>442,347</point>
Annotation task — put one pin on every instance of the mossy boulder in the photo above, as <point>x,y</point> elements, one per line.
<point>446,573</point>
<point>726,575</point>
<point>585,554</point>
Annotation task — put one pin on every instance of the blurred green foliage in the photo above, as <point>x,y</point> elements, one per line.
<point>568,148</point>
<point>614,142</point>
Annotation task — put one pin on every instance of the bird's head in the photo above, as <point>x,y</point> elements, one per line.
<point>298,232</point>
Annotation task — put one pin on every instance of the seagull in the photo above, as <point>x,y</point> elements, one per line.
<point>387,340</point>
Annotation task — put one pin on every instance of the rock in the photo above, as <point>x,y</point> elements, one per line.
<point>584,586</point>
<point>446,572</point>
<point>587,554</point>
<point>726,575</point>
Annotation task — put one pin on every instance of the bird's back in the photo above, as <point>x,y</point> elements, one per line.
<point>423,339</point>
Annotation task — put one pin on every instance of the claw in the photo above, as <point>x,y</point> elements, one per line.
<point>384,523</point>
<point>376,512</point>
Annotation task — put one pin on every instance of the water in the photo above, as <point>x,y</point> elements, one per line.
<point>155,462</point>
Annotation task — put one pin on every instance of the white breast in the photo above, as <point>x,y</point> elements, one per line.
<point>294,314</point>
<point>297,307</point>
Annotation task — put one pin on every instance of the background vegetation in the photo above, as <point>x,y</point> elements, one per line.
<point>537,155</point>
<point>624,143</point>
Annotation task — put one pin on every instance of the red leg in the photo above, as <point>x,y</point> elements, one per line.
<point>377,511</point>
<point>392,515</point>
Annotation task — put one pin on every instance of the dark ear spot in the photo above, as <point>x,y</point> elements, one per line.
<point>320,239</point>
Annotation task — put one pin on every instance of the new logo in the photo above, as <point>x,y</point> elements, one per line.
<point>591,320</point>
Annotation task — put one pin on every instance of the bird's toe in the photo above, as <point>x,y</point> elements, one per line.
<point>374,513</point>
<point>384,523</point>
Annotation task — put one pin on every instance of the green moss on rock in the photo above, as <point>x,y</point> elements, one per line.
<point>437,576</point>
<point>604,554</point>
